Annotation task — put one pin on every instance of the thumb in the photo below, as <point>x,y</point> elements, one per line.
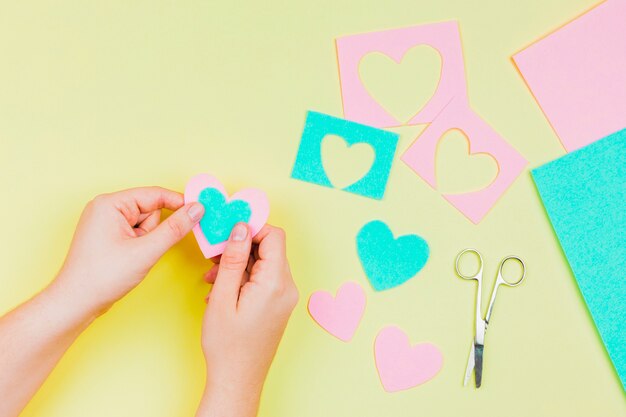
<point>233,264</point>
<point>172,230</point>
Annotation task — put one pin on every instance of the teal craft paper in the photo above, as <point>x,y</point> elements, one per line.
<point>389,262</point>
<point>308,166</point>
<point>221,216</point>
<point>584,193</point>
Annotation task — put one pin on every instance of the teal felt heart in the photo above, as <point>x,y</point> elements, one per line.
<point>220,216</point>
<point>389,262</point>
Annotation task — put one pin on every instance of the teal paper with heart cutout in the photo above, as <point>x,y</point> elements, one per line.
<point>220,216</point>
<point>387,261</point>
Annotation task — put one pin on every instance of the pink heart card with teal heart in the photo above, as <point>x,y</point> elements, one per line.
<point>222,213</point>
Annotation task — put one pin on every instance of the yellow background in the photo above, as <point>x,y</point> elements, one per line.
<point>100,96</point>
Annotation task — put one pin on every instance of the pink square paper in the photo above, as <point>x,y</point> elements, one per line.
<point>420,157</point>
<point>578,75</point>
<point>358,104</point>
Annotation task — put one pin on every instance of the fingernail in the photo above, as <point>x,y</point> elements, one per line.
<point>239,233</point>
<point>195,211</point>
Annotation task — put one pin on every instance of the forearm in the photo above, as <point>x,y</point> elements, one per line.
<point>228,400</point>
<point>33,338</point>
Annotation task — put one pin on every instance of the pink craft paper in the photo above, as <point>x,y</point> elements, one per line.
<point>340,315</point>
<point>421,155</point>
<point>578,75</point>
<point>259,206</point>
<point>402,366</point>
<point>360,106</point>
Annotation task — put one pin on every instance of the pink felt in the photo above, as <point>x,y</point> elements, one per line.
<point>358,104</point>
<point>259,206</point>
<point>578,75</point>
<point>402,366</point>
<point>420,156</point>
<point>339,315</point>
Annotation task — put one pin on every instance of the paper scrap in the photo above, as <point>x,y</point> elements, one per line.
<point>388,261</point>
<point>309,167</point>
<point>340,315</point>
<point>421,155</point>
<point>402,366</point>
<point>360,106</point>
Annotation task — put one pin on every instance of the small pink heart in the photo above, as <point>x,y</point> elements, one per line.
<point>339,316</point>
<point>256,207</point>
<point>402,366</point>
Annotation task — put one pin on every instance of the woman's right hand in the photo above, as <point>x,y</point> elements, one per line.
<point>248,308</point>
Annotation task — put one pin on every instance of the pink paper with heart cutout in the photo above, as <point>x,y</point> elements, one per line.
<point>420,157</point>
<point>259,206</point>
<point>340,315</point>
<point>360,106</point>
<point>402,366</point>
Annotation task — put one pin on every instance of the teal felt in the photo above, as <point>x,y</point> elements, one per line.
<point>221,216</point>
<point>308,166</point>
<point>389,262</point>
<point>584,194</point>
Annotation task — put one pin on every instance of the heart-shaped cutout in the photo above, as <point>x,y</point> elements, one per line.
<point>459,171</point>
<point>345,164</point>
<point>402,88</point>
<point>402,366</point>
<point>340,315</point>
<point>249,205</point>
<point>222,215</point>
<point>387,261</point>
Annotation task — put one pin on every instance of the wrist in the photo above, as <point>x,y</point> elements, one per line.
<point>234,389</point>
<point>240,376</point>
<point>85,300</point>
<point>70,301</point>
<point>219,402</point>
<point>229,400</point>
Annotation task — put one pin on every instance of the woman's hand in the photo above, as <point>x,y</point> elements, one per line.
<point>252,298</point>
<point>118,239</point>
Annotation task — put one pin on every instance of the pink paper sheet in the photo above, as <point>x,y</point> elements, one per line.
<point>358,104</point>
<point>578,75</point>
<point>420,156</point>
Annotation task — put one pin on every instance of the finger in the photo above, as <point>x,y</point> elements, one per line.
<point>142,217</point>
<point>245,278</point>
<point>271,241</point>
<point>171,230</point>
<point>251,260</point>
<point>148,199</point>
<point>232,266</point>
<point>148,223</point>
<point>216,259</point>
<point>211,274</point>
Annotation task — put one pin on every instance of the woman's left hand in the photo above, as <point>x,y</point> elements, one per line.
<point>118,239</point>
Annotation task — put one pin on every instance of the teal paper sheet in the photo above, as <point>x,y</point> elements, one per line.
<point>584,193</point>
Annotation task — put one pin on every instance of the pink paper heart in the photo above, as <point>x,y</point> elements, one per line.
<point>339,315</point>
<point>259,205</point>
<point>402,366</point>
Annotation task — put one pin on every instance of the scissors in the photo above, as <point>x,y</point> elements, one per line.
<point>475,362</point>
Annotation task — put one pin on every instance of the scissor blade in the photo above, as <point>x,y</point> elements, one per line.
<point>478,364</point>
<point>470,365</point>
